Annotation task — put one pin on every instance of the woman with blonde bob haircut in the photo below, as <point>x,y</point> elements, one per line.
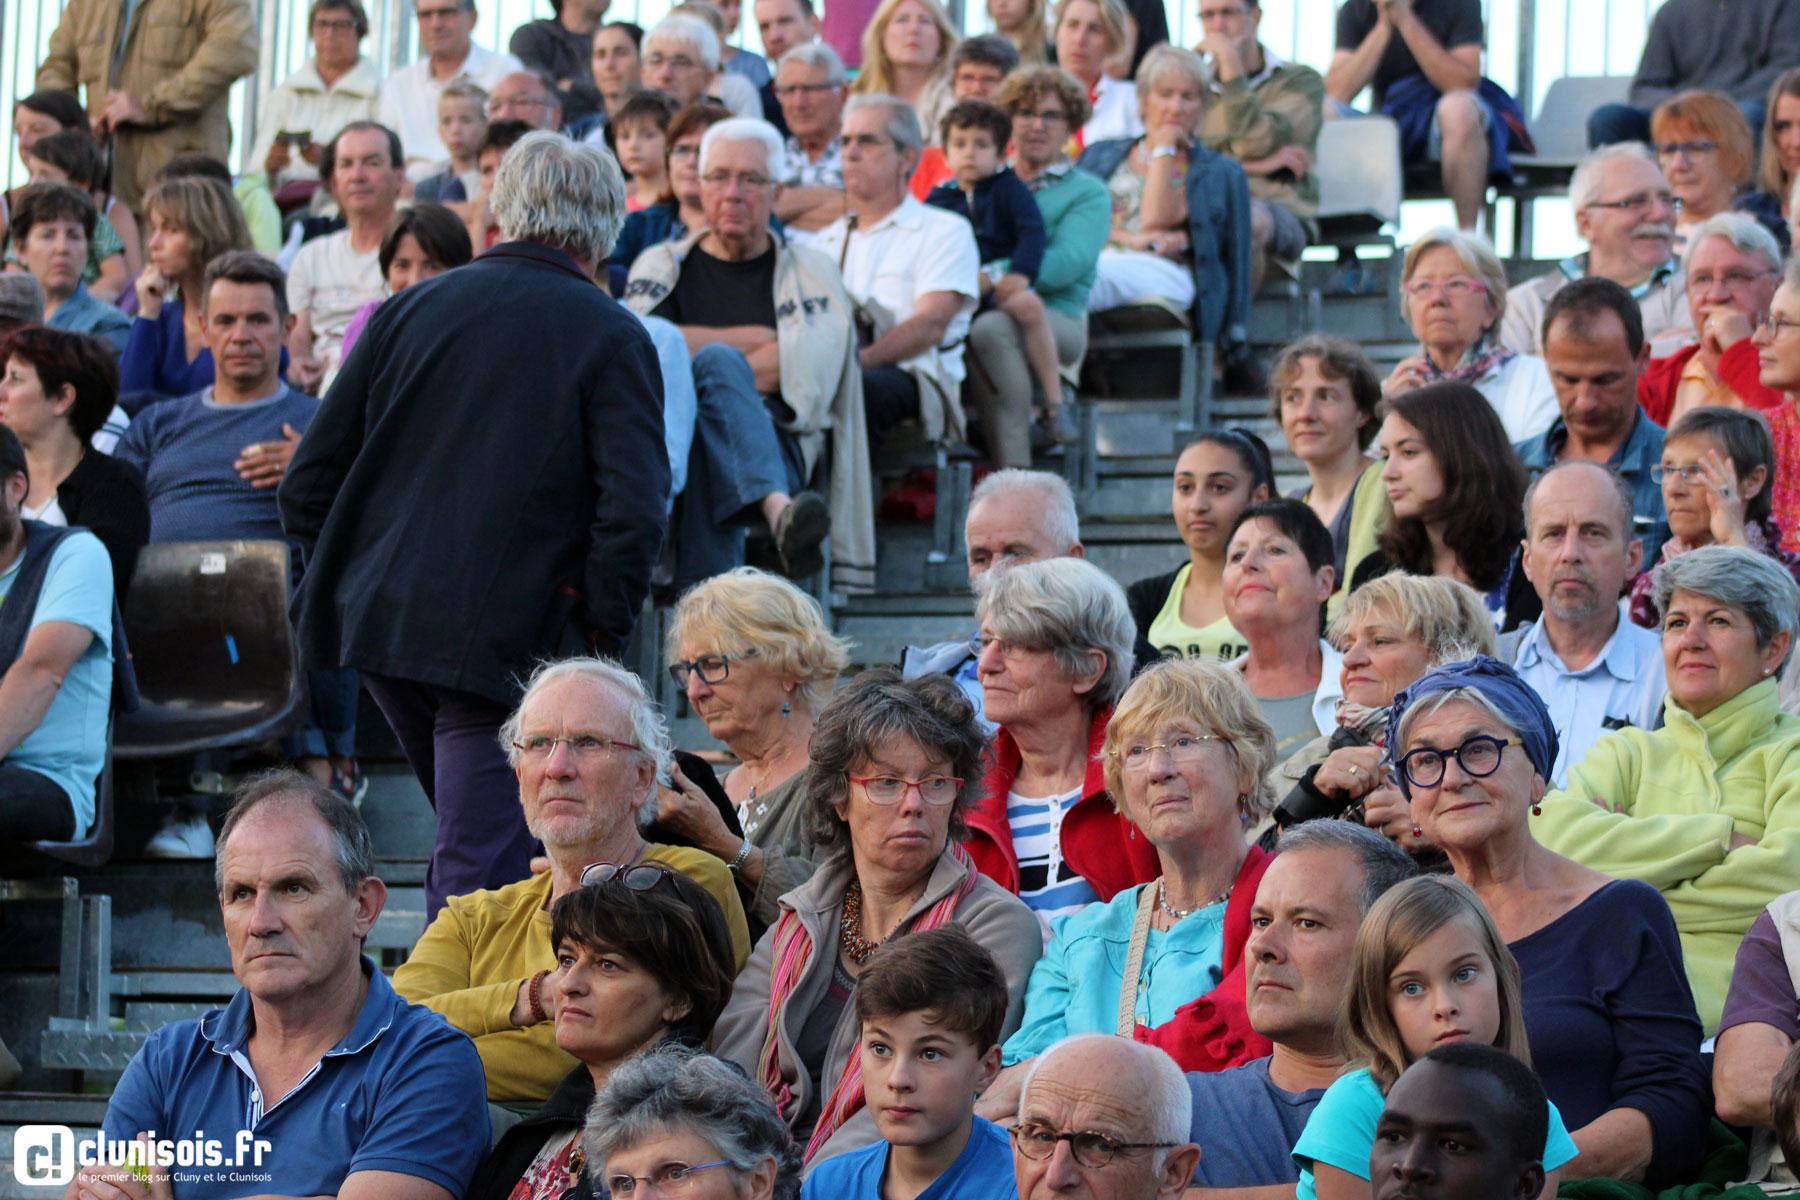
<point>757,662</point>
<point>189,222</point>
<point>1455,299</point>
<point>1087,35</point>
<point>906,53</point>
<point>1429,968</point>
<point>1185,758</point>
<point>1391,630</point>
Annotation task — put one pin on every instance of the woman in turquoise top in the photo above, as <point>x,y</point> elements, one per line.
<point>1430,968</point>
<point>1185,755</point>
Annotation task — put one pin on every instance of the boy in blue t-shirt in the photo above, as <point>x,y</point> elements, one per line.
<point>931,1006</point>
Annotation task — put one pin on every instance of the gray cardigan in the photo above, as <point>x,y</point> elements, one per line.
<point>996,918</point>
<point>789,855</point>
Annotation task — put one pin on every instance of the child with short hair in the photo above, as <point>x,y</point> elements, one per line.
<point>501,136</point>
<point>1430,967</point>
<point>931,1005</point>
<point>1009,232</point>
<point>639,134</point>
<point>462,127</point>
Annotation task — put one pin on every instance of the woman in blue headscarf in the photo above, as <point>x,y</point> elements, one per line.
<point>1608,1009</point>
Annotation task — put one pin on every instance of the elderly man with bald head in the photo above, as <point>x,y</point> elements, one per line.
<point>1103,1118</point>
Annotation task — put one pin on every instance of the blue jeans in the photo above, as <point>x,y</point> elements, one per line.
<point>738,457</point>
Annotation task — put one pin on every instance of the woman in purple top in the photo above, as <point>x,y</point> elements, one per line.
<point>423,241</point>
<point>192,222</point>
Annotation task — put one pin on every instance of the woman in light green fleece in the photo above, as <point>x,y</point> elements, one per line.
<point>1707,808</point>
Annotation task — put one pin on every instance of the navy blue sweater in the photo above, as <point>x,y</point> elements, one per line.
<point>1611,1021</point>
<point>1006,219</point>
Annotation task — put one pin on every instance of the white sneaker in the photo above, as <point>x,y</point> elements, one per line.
<point>182,836</point>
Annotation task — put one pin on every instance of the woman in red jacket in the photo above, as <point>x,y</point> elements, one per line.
<point>1055,652</point>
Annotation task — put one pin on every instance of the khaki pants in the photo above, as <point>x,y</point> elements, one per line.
<point>1000,378</point>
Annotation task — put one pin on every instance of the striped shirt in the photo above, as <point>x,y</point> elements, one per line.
<point>1046,884</point>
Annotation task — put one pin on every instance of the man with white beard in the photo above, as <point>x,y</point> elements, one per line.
<point>1015,517</point>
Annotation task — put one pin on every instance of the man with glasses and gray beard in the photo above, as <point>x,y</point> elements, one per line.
<point>587,747</point>
<point>1015,517</point>
<point>482,490</point>
<point>1626,213</point>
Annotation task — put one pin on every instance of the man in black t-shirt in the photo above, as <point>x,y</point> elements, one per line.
<point>1382,42</point>
<point>744,463</point>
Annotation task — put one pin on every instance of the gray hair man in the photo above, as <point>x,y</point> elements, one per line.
<point>1625,213</point>
<point>1733,266</point>
<point>1303,931</point>
<point>316,1074</point>
<point>1106,1118</point>
<point>682,56</point>
<point>444,613</point>
<point>811,84</point>
<point>1015,517</point>
<point>587,747</point>
<point>1595,669</point>
<point>912,269</point>
<point>771,374</point>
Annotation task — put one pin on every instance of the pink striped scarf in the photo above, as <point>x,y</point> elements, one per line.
<point>793,949</point>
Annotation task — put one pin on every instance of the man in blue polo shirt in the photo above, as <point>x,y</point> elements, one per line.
<point>1594,348</point>
<point>317,1079</point>
<point>1595,669</point>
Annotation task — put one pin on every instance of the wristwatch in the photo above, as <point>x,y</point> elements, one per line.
<point>1164,152</point>
<point>743,856</point>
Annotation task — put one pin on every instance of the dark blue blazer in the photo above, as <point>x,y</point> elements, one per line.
<point>1006,219</point>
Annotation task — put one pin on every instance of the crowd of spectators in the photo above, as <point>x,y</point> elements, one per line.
<point>1444,802</point>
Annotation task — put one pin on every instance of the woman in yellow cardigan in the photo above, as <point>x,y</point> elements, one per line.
<point>1707,808</point>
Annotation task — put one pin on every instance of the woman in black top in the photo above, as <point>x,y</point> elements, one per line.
<point>643,957</point>
<point>56,393</point>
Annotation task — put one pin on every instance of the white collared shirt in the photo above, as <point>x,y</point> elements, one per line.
<point>409,105</point>
<point>1115,112</point>
<point>913,250</point>
<point>1624,685</point>
<point>303,103</point>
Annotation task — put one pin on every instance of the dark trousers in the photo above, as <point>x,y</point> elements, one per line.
<point>34,808</point>
<point>451,740</point>
<point>890,396</point>
<point>1612,123</point>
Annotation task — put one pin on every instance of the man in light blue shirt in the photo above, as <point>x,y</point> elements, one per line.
<point>1595,670</point>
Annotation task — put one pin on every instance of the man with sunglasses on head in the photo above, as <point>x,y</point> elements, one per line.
<point>588,747</point>
<point>1626,214</point>
<point>1104,1118</point>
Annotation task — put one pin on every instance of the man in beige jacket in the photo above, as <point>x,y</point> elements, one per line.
<point>159,87</point>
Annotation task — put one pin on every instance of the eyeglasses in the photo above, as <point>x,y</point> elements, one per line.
<point>712,668</point>
<point>670,1179</point>
<point>1183,748</point>
<point>678,62</point>
<point>1036,1140</point>
<point>785,90</point>
<point>581,745</point>
<point>1222,14</point>
<point>639,877</point>
<point>1775,325</point>
<point>498,106</point>
<point>1479,757</point>
<point>1456,287</point>
<point>438,14</point>
<point>887,790</point>
<point>865,141</point>
<point>1049,116</point>
<point>1736,279</point>
<point>1008,650</point>
<point>1641,202</point>
<point>684,152</point>
<point>1685,149</point>
<point>748,181</point>
<point>1689,473</point>
<point>326,25</point>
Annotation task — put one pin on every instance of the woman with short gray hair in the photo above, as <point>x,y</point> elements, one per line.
<point>673,1104</point>
<point>1455,300</point>
<point>894,771</point>
<point>1053,656</point>
<point>1707,808</point>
